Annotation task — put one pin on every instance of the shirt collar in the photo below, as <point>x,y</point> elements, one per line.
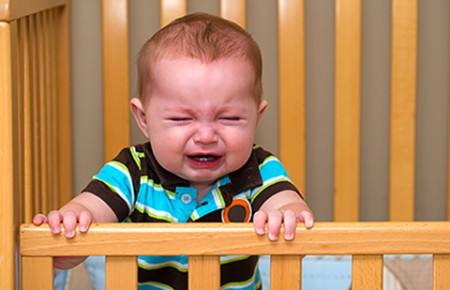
<point>243,179</point>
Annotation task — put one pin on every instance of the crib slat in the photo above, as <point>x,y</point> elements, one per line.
<point>49,111</point>
<point>171,9</point>
<point>27,115</point>
<point>285,272</point>
<point>64,114</point>
<point>204,272</point>
<point>54,203</point>
<point>367,272</point>
<point>234,10</point>
<point>24,8</point>
<point>115,77</point>
<point>292,89</point>
<point>121,272</point>
<point>37,273</point>
<point>41,104</point>
<point>6,162</point>
<point>347,110</point>
<point>441,270</point>
<point>403,108</point>
<point>17,102</point>
<point>36,156</point>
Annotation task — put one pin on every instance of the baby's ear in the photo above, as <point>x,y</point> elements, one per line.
<point>137,109</point>
<point>261,108</point>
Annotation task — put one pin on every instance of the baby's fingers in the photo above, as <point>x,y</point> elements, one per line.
<point>54,221</point>
<point>274,225</point>
<point>70,223</point>
<point>307,218</point>
<point>290,224</point>
<point>84,221</point>
<point>259,222</point>
<point>39,219</point>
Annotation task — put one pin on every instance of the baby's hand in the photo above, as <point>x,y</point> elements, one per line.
<point>275,219</point>
<point>69,219</point>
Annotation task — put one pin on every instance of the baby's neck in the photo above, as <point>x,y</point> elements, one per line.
<point>202,189</point>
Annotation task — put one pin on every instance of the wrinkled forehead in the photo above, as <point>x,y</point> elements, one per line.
<point>156,67</point>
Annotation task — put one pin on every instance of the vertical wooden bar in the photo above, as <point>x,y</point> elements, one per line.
<point>17,103</point>
<point>204,272</point>
<point>285,272</point>
<point>234,10</point>
<point>35,121</point>
<point>441,270</point>
<point>7,233</point>
<point>121,273</point>
<point>37,273</point>
<point>54,111</point>
<point>403,109</point>
<point>171,9</point>
<point>26,89</point>
<point>367,272</point>
<point>49,193</point>
<point>347,110</point>
<point>291,56</point>
<point>116,83</point>
<point>43,170</point>
<point>64,115</point>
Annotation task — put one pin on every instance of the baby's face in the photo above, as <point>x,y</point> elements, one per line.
<point>201,117</point>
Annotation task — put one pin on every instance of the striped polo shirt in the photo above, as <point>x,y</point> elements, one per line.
<point>138,189</point>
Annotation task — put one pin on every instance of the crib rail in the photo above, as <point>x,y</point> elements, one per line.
<point>121,243</point>
<point>35,119</point>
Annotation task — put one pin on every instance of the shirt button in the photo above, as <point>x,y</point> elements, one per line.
<point>186,198</point>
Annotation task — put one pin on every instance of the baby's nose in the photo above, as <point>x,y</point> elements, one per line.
<point>206,134</point>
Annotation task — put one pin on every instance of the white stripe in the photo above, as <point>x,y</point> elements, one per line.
<point>242,286</point>
<point>127,174</point>
<point>217,199</point>
<point>232,257</point>
<point>156,212</point>
<point>160,265</point>
<point>155,187</point>
<point>120,193</point>
<point>269,159</point>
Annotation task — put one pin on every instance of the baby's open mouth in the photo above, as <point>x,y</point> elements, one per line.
<point>204,158</point>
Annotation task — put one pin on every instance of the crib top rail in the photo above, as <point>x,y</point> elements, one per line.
<point>11,10</point>
<point>370,238</point>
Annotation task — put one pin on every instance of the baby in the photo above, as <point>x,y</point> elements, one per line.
<point>199,80</point>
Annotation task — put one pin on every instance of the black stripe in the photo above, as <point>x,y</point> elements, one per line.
<point>272,190</point>
<point>233,272</point>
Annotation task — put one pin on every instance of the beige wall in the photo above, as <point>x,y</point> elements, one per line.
<point>432,95</point>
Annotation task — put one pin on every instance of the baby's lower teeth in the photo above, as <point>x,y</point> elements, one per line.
<point>203,159</point>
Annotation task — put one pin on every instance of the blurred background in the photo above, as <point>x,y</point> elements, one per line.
<point>432,96</point>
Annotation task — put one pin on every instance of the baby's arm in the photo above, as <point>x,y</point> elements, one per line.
<point>83,209</point>
<point>284,207</point>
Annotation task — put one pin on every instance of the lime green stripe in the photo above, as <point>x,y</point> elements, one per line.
<point>107,184</point>
<point>234,260</point>
<point>220,196</point>
<point>145,179</point>
<point>156,283</point>
<point>136,157</point>
<point>265,186</point>
<point>267,160</point>
<point>155,215</point>
<point>163,266</point>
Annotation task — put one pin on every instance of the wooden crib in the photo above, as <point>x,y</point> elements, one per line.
<point>35,151</point>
